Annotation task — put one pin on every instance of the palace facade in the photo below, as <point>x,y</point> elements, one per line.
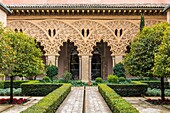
<point>84,37</point>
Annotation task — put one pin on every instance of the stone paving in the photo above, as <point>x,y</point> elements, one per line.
<point>18,108</point>
<point>144,107</point>
<point>94,102</point>
<point>73,102</point>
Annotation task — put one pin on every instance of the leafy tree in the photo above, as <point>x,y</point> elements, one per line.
<point>119,70</point>
<point>19,56</point>
<point>162,61</point>
<point>140,60</point>
<point>67,76</point>
<point>52,71</point>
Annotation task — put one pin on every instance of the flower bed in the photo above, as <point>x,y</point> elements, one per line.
<point>15,100</point>
<point>158,101</point>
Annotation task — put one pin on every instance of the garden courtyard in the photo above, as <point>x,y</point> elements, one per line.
<point>86,56</point>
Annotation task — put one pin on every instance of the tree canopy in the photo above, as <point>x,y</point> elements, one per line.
<point>162,57</point>
<point>19,55</point>
<point>140,60</point>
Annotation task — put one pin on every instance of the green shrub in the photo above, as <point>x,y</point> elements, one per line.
<point>38,89</point>
<point>135,88</point>
<point>99,80</point>
<point>52,71</point>
<point>119,70</point>
<point>67,76</point>
<point>112,78</point>
<point>6,92</point>
<point>157,92</point>
<point>46,79</point>
<point>16,83</point>
<point>122,79</point>
<point>156,84</point>
<point>116,103</point>
<point>51,102</point>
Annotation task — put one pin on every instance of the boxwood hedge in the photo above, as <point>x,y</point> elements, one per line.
<point>51,102</point>
<point>116,103</point>
<point>135,88</point>
<point>35,88</point>
<point>16,83</point>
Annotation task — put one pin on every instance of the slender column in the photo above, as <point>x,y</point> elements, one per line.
<point>85,68</point>
<point>80,67</point>
<point>56,61</point>
<point>168,16</point>
<point>118,59</point>
<point>90,68</point>
<point>113,61</point>
<point>51,60</point>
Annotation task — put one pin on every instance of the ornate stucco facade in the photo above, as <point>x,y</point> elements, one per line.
<point>87,32</point>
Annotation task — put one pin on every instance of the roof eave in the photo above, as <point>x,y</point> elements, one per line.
<point>5,9</point>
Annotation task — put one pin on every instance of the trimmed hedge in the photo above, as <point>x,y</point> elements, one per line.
<point>156,84</point>
<point>51,102</point>
<point>16,83</point>
<point>134,89</point>
<point>116,103</point>
<point>35,88</point>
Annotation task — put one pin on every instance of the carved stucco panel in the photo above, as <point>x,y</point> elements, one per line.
<point>36,32</point>
<point>125,31</point>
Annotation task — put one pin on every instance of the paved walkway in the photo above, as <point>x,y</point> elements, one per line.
<point>95,102</point>
<point>74,101</point>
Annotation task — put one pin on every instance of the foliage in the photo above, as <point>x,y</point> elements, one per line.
<point>67,76</point>
<point>99,80</point>
<point>52,71</point>
<point>119,70</point>
<point>135,88</point>
<point>156,84</point>
<point>16,83</point>
<point>19,55</point>
<point>112,78</point>
<point>140,60</point>
<point>78,83</point>
<point>162,58</point>
<point>121,79</point>
<point>51,102</point>
<point>46,79</point>
<point>116,103</point>
<point>157,92</point>
<point>38,89</point>
<point>142,22</point>
<point>6,92</point>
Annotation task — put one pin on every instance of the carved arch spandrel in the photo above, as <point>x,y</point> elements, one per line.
<point>64,32</point>
<point>129,31</point>
<point>150,23</point>
<point>97,32</point>
<point>34,31</point>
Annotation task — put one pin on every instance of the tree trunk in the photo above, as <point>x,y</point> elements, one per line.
<point>11,89</point>
<point>162,89</point>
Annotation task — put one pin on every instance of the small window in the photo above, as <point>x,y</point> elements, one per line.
<point>16,30</point>
<point>54,32</point>
<point>88,32</point>
<point>20,30</point>
<point>116,32</point>
<point>121,32</point>
<point>49,32</point>
<point>83,32</point>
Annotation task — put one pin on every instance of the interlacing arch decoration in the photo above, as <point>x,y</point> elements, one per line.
<point>63,32</point>
<point>149,23</point>
<point>125,31</point>
<point>34,31</point>
<point>94,32</point>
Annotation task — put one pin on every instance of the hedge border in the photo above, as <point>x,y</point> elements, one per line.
<point>51,102</point>
<point>135,88</point>
<point>116,103</point>
<point>156,84</point>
